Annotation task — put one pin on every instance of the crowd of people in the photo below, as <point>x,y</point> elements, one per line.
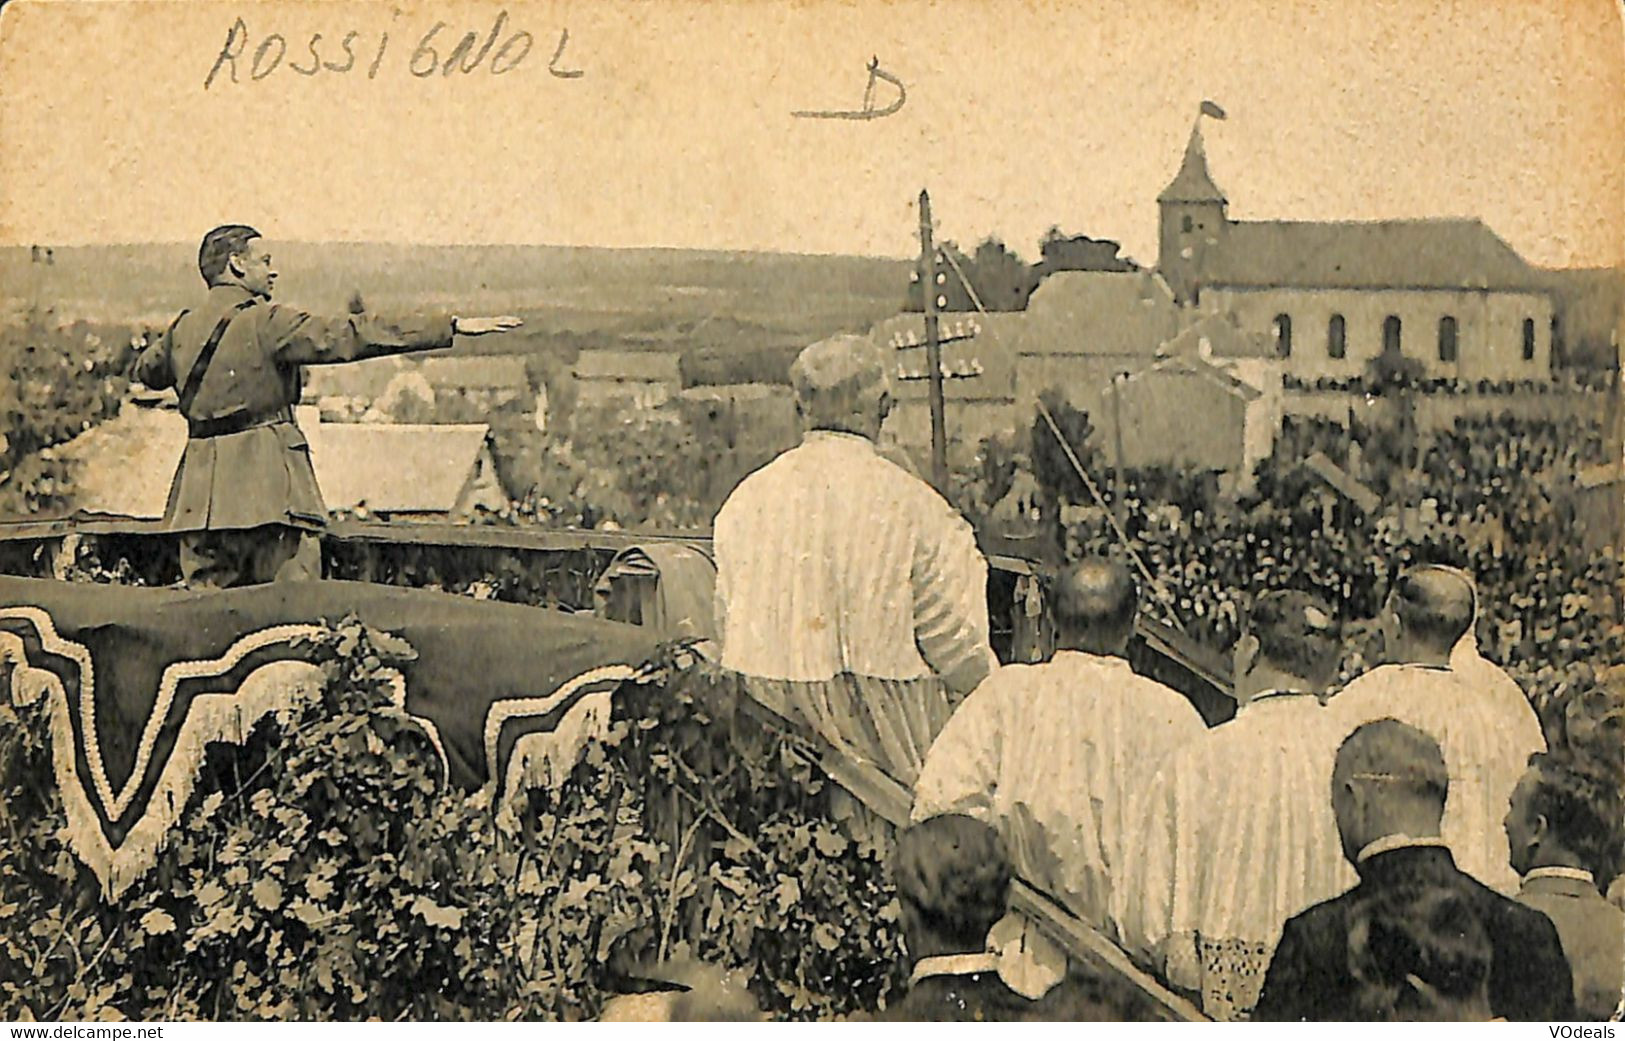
<point>1385,830</point>
<point>1488,499</point>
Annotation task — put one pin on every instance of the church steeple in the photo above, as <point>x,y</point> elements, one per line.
<point>1193,184</point>
<point>1193,218</point>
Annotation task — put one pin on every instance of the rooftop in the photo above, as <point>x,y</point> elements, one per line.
<point>629,366</point>
<point>1434,253</point>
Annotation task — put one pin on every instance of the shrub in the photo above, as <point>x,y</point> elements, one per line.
<point>323,871</point>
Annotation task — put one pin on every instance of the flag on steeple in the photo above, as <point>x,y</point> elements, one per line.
<point>1211,108</point>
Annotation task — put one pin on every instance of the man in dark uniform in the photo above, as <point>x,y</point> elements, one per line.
<point>244,499</point>
<point>1349,958</point>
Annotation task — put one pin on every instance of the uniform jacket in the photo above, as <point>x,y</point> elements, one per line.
<point>247,463</point>
<point>1593,935</point>
<point>1310,976</point>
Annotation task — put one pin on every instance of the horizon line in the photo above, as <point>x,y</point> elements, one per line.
<point>192,244</point>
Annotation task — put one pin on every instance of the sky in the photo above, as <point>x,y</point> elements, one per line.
<point>678,131</point>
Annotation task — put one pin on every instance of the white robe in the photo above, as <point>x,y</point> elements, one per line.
<point>1235,836</point>
<point>1049,754</point>
<point>1487,730</point>
<point>852,598</point>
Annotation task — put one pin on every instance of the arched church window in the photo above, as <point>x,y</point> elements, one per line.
<point>1283,336</point>
<point>1447,338</point>
<point>1337,337</point>
<point>1390,334</point>
<point>1185,224</point>
<point>1528,339</point>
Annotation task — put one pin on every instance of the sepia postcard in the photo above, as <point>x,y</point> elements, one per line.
<point>805,510</point>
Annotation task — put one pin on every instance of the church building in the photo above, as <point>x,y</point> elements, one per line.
<point>1332,295</point>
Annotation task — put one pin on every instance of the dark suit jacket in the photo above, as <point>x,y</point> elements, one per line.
<point>1310,976</point>
<point>982,997</point>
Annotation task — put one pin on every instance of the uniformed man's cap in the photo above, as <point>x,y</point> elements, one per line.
<point>842,368</point>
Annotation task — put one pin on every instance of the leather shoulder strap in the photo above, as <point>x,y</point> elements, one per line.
<point>194,378</point>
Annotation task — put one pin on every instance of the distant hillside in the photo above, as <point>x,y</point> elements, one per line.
<point>571,297</point>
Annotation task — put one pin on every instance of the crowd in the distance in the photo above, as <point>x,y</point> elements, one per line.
<point>1382,831</point>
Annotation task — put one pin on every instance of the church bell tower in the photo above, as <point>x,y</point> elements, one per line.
<point>1193,222</point>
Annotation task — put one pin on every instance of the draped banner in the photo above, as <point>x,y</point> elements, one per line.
<point>137,682</point>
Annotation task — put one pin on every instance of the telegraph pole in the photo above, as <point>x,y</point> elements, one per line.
<point>930,280</point>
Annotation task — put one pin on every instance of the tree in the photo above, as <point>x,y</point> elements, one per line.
<point>1002,280</point>
<point>1062,252</point>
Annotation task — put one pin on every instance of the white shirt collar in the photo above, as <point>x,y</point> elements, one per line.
<point>1277,695</point>
<point>1574,874</point>
<point>953,965</point>
<point>1389,843</point>
<point>1100,661</point>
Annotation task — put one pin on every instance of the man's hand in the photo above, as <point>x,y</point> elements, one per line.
<point>480,326</point>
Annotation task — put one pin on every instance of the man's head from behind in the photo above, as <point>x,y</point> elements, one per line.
<point>842,383</point>
<point>1292,640</point>
<point>1389,779</point>
<point>236,254</point>
<point>1094,602</point>
<point>953,881</point>
<point>1429,611</point>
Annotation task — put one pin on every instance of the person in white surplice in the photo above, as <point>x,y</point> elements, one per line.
<point>1049,754</point>
<point>850,594</point>
<point>1479,716</point>
<point>1236,833</point>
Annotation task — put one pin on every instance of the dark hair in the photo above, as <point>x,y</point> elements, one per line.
<point>219,246</point>
<point>1096,595</point>
<point>955,872</point>
<point>1419,954</point>
<point>1585,810</point>
<point>1422,610</point>
<point>1296,632</point>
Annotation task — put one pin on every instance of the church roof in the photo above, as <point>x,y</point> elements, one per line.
<point>1192,183</point>
<point>1449,253</point>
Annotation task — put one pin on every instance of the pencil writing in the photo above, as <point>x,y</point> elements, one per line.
<point>438,51</point>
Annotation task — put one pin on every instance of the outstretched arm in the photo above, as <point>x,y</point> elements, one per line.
<point>306,339</point>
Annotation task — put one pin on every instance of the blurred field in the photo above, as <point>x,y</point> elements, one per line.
<point>722,311</point>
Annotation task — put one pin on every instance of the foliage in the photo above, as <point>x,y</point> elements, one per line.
<point>784,875</point>
<point>54,385</point>
<point>1063,252</point>
<point>1056,475</point>
<point>324,871</point>
<point>1001,279</point>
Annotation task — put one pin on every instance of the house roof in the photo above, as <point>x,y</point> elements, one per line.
<point>1187,366</point>
<point>1222,338</point>
<point>1600,475</point>
<point>1343,482</point>
<point>1099,312</point>
<point>369,379</point>
<point>1448,253</point>
<point>629,366</point>
<point>736,392</point>
<point>395,467</point>
<point>474,372</point>
<point>124,466</point>
<point>359,379</point>
<point>1193,183</point>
